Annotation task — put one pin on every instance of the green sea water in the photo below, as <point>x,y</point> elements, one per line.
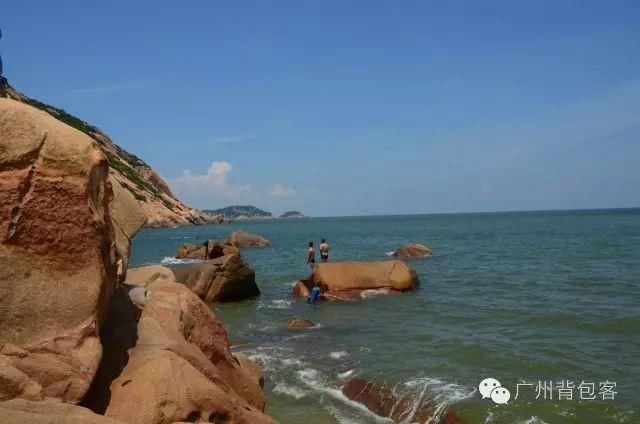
<point>522,297</point>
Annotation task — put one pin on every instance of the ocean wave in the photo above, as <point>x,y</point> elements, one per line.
<point>292,391</point>
<point>338,355</point>
<point>532,420</point>
<point>276,304</point>
<point>389,253</point>
<point>170,260</point>
<point>346,374</point>
<point>434,391</point>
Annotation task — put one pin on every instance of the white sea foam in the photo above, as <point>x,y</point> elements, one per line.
<point>436,392</point>
<point>389,253</point>
<point>170,260</point>
<point>367,294</point>
<point>276,304</point>
<point>292,391</point>
<point>532,420</point>
<point>338,355</point>
<point>346,374</point>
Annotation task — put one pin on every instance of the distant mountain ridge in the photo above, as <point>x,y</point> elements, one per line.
<point>240,212</point>
<point>160,205</point>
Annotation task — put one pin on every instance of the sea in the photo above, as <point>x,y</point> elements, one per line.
<point>546,303</point>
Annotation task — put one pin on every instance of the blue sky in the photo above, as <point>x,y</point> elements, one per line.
<point>349,108</point>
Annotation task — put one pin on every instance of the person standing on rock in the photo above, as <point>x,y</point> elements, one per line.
<point>324,251</point>
<point>311,256</point>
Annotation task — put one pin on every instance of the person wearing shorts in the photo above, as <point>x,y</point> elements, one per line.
<point>311,256</point>
<point>324,251</point>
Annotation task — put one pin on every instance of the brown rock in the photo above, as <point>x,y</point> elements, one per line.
<point>225,279</point>
<point>60,257</point>
<point>412,251</point>
<point>385,403</point>
<point>20,411</point>
<point>302,288</point>
<point>250,368</point>
<point>143,276</point>
<point>181,368</point>
<point>243,239</point>
<point>299,322</point>
<point>352,280</point>
<point>211,249</point>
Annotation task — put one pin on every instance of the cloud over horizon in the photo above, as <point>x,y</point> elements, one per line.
<point>212,186</point>
<point>281,191</point>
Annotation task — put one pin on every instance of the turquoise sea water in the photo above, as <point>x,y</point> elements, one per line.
<point>522,297</point>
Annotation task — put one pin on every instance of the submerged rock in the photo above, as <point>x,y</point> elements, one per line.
<point>412,251</point>
<point>353,280</point>
<point>385,403</point>
<point>242,239</point>
<point>299,322</point>
<point>225,279</point>
<point>64,245</point>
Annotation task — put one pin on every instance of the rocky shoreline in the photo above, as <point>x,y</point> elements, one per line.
<point>84,339</point>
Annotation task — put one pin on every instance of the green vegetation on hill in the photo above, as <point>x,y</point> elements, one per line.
<point>292,214</point>
<point>231,212</point>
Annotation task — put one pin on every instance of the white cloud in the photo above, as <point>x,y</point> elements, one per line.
<point>210,187</point>
<point>279,190</point>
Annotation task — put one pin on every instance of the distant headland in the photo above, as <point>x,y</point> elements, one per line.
<point>237,212</point>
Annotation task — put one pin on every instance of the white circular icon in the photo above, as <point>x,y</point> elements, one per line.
<point>487,385</point>
<point>500,395</point>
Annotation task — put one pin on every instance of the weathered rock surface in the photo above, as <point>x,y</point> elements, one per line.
<point>224,279</point>
<point>21,411</point>
<point>302,288</point>
<point>181,368</point>
<point>211,249</point>
<point>242,239</point>
<point>145,275</point>
<point>383,402</point>
<point>353,280</point>
<point>412,251</point>
<point>60,254</point>
<point>299,322</point>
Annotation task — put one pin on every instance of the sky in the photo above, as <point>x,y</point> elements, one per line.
<point>351,107</point>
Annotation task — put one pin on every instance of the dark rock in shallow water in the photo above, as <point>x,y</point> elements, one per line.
<point>225,279</point>
<point>242,239</point>
<point>385,403</point>
<point>412,251</point>
<point>300,322</point>
<point>211,249</point>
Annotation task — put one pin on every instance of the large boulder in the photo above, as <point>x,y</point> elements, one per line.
<point>412,251</point>
<point>210,249</point>
<point>60,254</point>
<point>385,403</point>
<point>225,279</point>
<point>351,280</point>
<point>242,239</point>
<point>21,411</point>
<point>182,369</point>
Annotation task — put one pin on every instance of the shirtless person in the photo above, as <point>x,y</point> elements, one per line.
<point>311,256</point>
<point>324,250</point>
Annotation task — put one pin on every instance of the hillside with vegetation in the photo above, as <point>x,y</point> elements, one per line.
<point>240,212</point>
<point>160,205</point>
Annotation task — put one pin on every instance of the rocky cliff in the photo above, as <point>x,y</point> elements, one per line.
<point>161,207</point>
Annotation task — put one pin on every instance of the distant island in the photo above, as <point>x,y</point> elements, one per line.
<point>292,214</point>
<point>241,212</point>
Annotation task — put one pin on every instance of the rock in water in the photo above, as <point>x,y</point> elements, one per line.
<point>63,246</point>
<point>182,369</point>
<point>385,403</point>
<point>412,251</point>
<point>211,249</point>
<point>243,239</point>
<point>302,288</point>
<point>225,279</point>
<point>146,275</point>
<point>299,322</point>
<point>352,280</point>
